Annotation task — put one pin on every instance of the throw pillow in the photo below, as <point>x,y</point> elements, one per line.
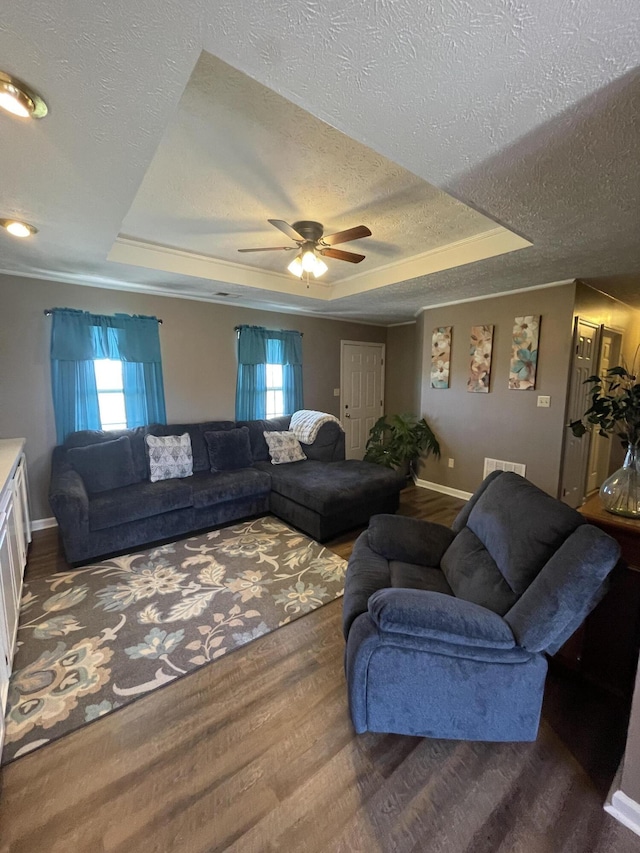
<point>105,465</point>
<point>170,456</point>
<point>283,447</point>
<point>229,449</point>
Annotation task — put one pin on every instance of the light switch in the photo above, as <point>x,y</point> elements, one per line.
<point>336,392</point>
<point>544,402</point>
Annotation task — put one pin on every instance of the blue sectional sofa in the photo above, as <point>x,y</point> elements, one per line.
<point>323,495</point>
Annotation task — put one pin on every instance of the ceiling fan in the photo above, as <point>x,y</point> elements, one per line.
<point>311,242</point>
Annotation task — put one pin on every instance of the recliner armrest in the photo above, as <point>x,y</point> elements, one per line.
<point>410,540</point>
<point>436,616</point>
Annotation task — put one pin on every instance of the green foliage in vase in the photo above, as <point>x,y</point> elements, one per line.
<point>400,440</point>
<point>615,407</point>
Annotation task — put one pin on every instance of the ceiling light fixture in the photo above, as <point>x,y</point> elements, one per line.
<point>18,228</point>
<point>307,261</point>
<point>16,98</point>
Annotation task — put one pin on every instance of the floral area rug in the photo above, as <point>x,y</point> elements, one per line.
<point>93,639</point>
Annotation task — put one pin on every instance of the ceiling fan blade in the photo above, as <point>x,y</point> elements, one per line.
<point>270,249</point>
<point>286,229</point>
<point>339,255</point>
<point>346,236</point>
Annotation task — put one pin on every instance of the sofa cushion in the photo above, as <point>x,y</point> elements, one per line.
<point>140,500</point>
<point>259,449</point>
<point>85,437</point>
<point>212,488</point>
<point>104,466</point>
<point>170,457</point>
<point>521,527</point>
<point>229,450</point>
<point>283,447</point>
<point>330,488</point>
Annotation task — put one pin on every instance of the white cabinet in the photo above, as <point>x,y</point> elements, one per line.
<point>15,535</point>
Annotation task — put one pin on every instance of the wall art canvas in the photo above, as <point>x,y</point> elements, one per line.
<point>524,353</point>
<point>440,356</point>
<point>480,348</point>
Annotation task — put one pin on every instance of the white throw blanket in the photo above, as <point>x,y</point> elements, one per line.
<point>306,423</point>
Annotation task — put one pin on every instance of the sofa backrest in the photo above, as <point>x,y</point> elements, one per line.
<point>328,446</point>
<point>196,433</point>
<point>259,446</point>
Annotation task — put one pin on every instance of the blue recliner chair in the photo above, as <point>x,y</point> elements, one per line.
<point>447,630</point>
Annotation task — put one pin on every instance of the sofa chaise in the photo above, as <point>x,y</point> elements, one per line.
<point>447,629</point>
<point>323,495</point>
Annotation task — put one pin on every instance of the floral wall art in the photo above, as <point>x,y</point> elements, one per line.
<point>524,353</point>
<point>480,364</point>
<point>440,356</point>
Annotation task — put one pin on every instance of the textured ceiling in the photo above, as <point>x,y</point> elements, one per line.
<point>526,111</point>
<point>236,153</point>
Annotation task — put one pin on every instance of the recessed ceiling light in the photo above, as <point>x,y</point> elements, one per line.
<point>17,228</point>
<point>16,98</point>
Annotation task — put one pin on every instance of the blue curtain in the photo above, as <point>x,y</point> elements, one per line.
<point>77,338</point>
<point>258,347</point>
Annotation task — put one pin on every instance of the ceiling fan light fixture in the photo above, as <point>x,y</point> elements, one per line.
<point>320,268</point>
<point>16,98</point>
<point>295,267</point>
<point>309,261</point>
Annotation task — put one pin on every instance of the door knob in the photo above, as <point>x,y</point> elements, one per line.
<point>347,415</point>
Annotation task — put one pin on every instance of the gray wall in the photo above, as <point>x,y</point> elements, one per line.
<point>503,424</point>
<point>401,385</point>
<point>198,352</point>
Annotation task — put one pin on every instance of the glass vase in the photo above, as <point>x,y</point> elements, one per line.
<point>620,493</point>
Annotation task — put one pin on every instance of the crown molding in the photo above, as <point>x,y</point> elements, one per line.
<point>479,247</point>
<point>489,244</point>
<point>139,253</point>
<point>494,295</point>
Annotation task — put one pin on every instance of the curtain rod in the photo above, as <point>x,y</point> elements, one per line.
<point>237,329</point>
<point>48,312</point>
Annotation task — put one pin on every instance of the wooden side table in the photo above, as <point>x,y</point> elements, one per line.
<point>605,648</point>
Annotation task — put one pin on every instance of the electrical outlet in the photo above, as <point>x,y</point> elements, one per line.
<point>451,463</point>
<point>336,392</point>
<point>544,402</point>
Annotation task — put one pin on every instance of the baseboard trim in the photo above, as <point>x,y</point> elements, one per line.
<point>43,523</point>
<point>445,490</point>
<point>625,810</point>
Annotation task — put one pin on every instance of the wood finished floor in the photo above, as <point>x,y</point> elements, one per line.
<point>256,754</point>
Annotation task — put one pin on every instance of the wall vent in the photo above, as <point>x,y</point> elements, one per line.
<point>500,465</point>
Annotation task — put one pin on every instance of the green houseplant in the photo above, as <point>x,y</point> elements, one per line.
<point>615,409</point>
<point>399,441</point>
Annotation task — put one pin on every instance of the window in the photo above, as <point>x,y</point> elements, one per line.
<point>110,393</point>
<point>106,371</point>
<point>275,391</point>
<point>269,381</point>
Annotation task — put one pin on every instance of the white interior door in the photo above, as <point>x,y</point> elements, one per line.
<point>576,450</point>
<point>361,393</point>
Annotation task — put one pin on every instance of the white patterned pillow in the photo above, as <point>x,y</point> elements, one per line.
<point>283,447</point>
<point>170,456</point>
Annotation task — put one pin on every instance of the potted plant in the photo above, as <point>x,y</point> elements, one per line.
<point>399,441</point>
<point>615,408</point>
